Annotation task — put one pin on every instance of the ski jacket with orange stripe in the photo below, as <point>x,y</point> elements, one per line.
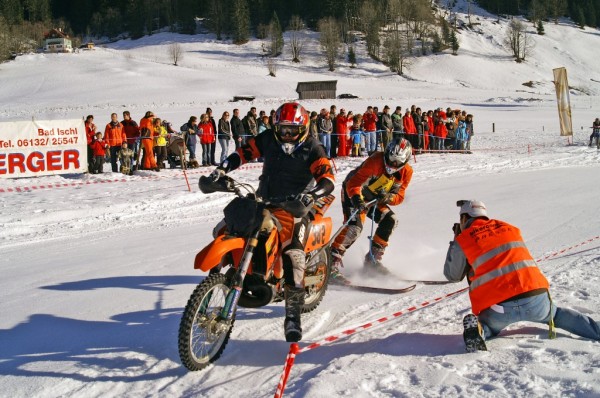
<point>370,180</point>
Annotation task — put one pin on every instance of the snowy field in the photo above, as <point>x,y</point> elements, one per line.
<point>95,276</point>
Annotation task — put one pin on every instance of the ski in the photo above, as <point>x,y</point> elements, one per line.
<point>380,290</point>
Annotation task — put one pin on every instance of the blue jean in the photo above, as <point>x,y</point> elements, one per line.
<point>224,148</point>
<point>537,309</point>
<point>325,139</point>
<point>371,141</point>
<point>206,148</point>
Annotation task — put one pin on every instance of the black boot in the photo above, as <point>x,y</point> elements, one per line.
<point>294,300</point>
<point>473,334</point>
<point>373,265</point>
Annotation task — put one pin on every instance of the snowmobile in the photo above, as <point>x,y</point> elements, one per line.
<point>245,268</point>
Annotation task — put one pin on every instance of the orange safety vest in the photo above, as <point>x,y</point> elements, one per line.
<point>501,265</point>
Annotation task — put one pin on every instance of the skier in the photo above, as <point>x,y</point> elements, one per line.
<point>125,159</point>
<point>293,162</point>
<point>595,133</point>
<point>383,176</point>
<point>505,284</point>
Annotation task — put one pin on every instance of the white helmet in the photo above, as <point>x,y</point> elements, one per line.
<point>396,155</point>
<point>474,208</point>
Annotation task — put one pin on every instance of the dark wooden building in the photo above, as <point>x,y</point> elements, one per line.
<point>316,90</point>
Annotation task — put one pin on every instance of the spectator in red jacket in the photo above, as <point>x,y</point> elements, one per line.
<point>90,132</point>
<point>410,130</point>
<point>369,121</point>
<point>207,138</point>
<point>341,122</point>
<point>114,137</point>
<point>98,147</point>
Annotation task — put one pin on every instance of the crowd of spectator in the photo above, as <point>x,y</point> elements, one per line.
<point>130,146</point>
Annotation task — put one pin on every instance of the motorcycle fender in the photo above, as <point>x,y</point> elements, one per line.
<point>320,231</point>
<point>211,255</point>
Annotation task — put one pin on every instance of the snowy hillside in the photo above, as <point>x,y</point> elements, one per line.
<point>96,269</point>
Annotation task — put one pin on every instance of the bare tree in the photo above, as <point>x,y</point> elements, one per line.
<point>272,66</point>
<point>175,53</point>
<point>296,39</point>
<point>518,40</point>
<point>396,52</point>
<point>330,39</point>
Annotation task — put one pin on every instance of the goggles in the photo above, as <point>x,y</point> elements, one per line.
<point>289,131</point>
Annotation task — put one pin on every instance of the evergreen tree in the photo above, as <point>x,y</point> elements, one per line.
<point>276,36</point>
<point>454,42</point>
<point>540,28</point>
<point>240,21</point>
<point>12,11</point>
<point>351,56</point>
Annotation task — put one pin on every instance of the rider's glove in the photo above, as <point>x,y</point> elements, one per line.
<point>306,199</point>
<point>217,174</point>
<point>358,203</point>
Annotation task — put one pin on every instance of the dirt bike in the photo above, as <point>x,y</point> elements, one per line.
<point>245,268</point>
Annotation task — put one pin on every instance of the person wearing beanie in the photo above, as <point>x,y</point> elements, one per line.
<point>505,284</point>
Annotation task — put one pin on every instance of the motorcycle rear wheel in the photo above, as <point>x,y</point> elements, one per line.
<point>203,335</point>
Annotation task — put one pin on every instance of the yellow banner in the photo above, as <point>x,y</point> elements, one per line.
<point>564,101</point>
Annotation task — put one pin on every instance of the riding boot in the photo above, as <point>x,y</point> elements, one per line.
<point>373,265</point>
<point>294,300</point>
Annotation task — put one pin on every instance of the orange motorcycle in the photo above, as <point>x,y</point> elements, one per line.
<point>245,268</point>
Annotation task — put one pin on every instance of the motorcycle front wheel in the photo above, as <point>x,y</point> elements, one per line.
<point>203,334</point>
<point>320,267</point>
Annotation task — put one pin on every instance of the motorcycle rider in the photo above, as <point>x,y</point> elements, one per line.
<point>383,176</point>
<point>295,166</point>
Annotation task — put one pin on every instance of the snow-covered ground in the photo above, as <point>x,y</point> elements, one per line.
<point>95,276</point>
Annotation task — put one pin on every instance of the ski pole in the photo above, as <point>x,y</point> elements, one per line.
<point>339,231</point>
<point>371,236</point>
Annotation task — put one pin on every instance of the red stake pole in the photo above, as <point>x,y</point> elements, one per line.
<point>182,155</point>
<point>289,362</point>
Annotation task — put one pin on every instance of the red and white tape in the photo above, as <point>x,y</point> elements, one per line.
<point>379,321</point>
<point>82,183</point>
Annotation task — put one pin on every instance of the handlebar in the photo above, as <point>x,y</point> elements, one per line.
<point>227,184</point>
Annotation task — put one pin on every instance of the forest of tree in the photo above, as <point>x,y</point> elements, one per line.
<point>24,22</point>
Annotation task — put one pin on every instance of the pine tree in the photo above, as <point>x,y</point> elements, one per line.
<point>240,21</point>
<point>454,42</point>
<point>276,36</point>
<point>540,28</point>
<point>351,56</point>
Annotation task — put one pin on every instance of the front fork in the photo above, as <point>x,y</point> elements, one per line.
<point>233,296</point>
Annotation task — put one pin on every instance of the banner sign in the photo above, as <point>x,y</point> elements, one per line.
<point>564,101</point>
<point>42,147</point>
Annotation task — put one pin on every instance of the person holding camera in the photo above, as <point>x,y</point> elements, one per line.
<point>295,166</point>
<point>505,283</point>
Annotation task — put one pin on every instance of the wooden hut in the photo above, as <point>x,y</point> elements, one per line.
<point>316,90</point>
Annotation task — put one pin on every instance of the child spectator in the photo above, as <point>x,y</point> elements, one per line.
<point>356,135</point>
<point>99,150</point>
<point>126,159</point>
<point>161,136</point>
<point>461,134</point>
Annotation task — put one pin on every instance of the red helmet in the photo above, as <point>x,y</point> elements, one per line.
<point>291,122</point>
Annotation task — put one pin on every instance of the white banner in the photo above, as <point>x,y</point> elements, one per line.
<point>561,84</point>
<point>42,147</point>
